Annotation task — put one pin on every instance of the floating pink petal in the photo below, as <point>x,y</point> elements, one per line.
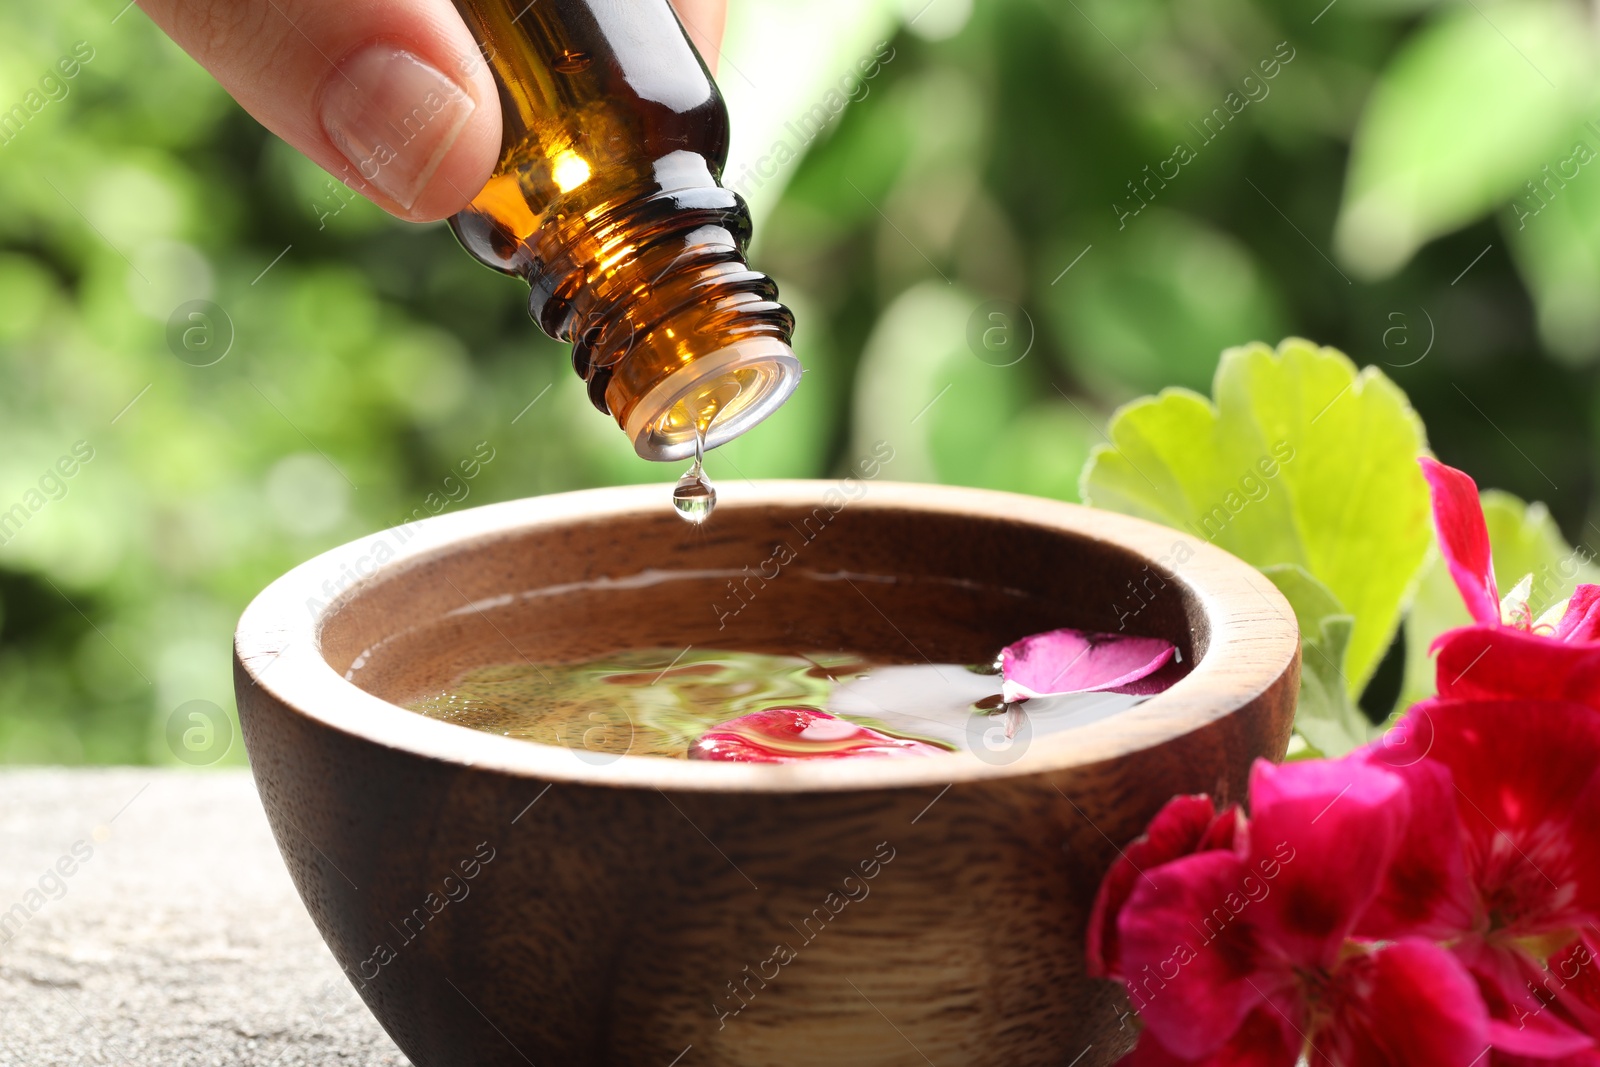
<point>1463,537</point>
<point>1072,661</point>
<point>792,734</point>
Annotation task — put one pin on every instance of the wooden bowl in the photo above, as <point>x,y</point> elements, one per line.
<point>502,902</point>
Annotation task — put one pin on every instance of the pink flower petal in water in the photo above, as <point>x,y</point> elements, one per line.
<point>1463,537</point>
<point>792,734</point>
<point>1072,661</point>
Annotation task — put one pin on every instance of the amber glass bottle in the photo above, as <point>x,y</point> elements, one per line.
<point>606,199</point>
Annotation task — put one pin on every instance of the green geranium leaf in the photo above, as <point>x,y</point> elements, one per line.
<point>1554,234</point>
<point>1525,540</point>
<point>1469,109</point>
<point>1161,301</point>
<point>1301,460</point>
<point>1326,717</point>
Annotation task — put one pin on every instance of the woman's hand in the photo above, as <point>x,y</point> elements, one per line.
<point>345,80</point>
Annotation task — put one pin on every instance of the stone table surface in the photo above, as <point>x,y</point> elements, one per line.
<point>178,941</point>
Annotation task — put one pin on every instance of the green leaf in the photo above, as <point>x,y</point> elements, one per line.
<point>1153,306</point>
<point>966,425</point>
<point>1040,451</point>
<point>1554,234</point>
<point>1326,716</point>
<point>1301,460</point>
<point>1471,107</point>
<point>1525,540</point>
<point>922,389</point>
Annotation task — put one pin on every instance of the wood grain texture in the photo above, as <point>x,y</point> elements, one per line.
<point>643,909</point>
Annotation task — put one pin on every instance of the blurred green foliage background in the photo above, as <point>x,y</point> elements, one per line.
<point>1373,194</point>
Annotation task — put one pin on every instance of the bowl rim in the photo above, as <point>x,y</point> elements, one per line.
<point>1254,640</point>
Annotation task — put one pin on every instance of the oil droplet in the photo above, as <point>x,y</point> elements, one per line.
<point>694,496</point>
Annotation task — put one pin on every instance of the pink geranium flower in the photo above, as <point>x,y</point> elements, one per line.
<point>1186,825</point>
<point>1431,899</point>
<point>1500,857</point>
<point>1572,979</point>
<point>1502,663</point>
<point>1463,538</point>
<point>1464,543</point>
<point>1245,954</point>
<point>1508,653</point>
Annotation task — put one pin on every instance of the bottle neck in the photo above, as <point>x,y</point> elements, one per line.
<point>606,199</point>
<point>670,329</point>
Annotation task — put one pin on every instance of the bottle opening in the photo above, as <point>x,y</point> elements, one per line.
<point>721,395</point>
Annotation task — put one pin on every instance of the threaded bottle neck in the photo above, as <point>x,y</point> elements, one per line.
<point>670,328</point>
<point>606,199</point>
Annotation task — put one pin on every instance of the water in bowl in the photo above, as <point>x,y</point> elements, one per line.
<point>658,701</point>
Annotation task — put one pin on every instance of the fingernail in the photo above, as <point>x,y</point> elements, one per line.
<point>394,117</point>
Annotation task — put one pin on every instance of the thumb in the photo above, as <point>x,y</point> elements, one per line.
<point>390,96</point>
